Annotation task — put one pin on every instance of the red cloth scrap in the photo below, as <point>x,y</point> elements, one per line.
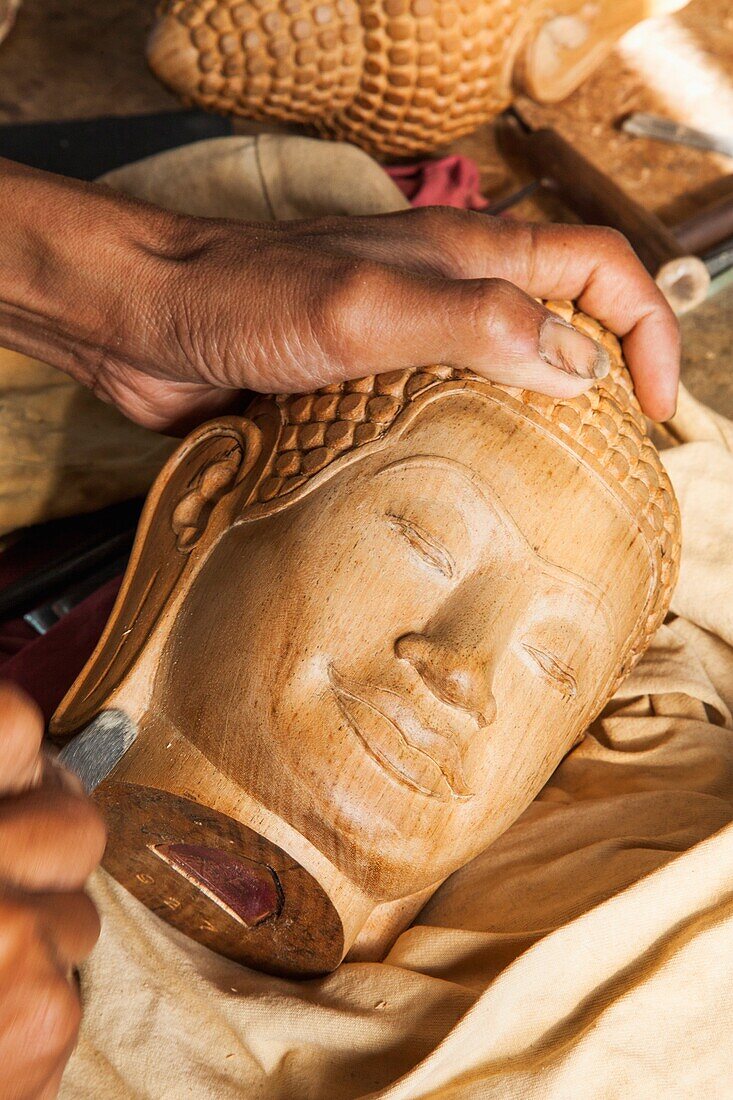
<point>449,181</point>
<point>47,665</point>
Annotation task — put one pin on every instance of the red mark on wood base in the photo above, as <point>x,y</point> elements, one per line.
<point>247,890</point>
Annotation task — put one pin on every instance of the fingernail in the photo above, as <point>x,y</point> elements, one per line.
<point>564,347</point>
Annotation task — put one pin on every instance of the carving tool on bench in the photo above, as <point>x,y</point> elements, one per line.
<point>45,616</point>
<point>709,231</point>
<point>708,227</point>
<point>641,124</point>
<point>87,147</point>
<point>682,277</point>
<point>508,201</point>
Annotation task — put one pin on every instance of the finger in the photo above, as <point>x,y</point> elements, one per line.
<point>383,319</point>
<point>40,1022</point>
<point>50,1088</point>
<point>593,265</point>
<point>70,923</point>
<point>39,1006</point>
<point>656,376</point>
<point>49,840</point>
<point>21,733</point>
<point>57,777</point>
<point>64,925</point>
<point>598,268</point>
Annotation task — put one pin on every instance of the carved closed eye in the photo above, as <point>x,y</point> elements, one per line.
<point>424,544</point>
<point>554,670</point>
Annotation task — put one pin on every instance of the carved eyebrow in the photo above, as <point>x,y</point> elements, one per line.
<point>474,481</point>
<point>589,593</point>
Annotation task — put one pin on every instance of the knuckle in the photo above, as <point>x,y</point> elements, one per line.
<point>442,216</point>
<point>430,219</point>
<point>19,930</point>
<point>612,240</point>
<point>348,296</point>
<point>499,310</point>
<point>449,226</point>
<point>499,290</point>
<point>495,301</point>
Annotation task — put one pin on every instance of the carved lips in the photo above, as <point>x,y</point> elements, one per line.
<point>419,757</point>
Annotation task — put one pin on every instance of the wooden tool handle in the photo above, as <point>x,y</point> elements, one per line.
<point>709,226</point>
<point>596,199</point>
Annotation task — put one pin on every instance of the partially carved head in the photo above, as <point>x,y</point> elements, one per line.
<point>396,77</point>
<point>388,609</point>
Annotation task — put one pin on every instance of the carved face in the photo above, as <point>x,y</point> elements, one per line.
<point>396,662</point>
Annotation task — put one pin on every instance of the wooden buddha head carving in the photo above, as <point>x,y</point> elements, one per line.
<point>396,77</point>
<point>359,630</point>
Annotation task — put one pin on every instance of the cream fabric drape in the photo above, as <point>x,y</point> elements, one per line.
<point>587,953</point>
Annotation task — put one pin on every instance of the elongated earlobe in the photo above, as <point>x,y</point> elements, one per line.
<point>198,494</point>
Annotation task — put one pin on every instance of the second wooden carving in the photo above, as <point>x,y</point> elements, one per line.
<point>396,77</point>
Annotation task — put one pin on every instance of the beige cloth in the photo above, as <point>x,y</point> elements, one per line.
<point>588,953</point>
<point>269,177</point>
<point>62,451</point>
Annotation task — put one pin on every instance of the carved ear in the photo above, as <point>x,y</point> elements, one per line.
<point>198,493</point>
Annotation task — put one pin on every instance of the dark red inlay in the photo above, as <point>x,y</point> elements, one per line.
<point>247,888</point>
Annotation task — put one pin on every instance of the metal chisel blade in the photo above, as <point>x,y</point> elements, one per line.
<point>99,747</point>
<point>641,124</point>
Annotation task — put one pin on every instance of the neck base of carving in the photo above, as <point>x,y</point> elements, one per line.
<point>218,865</point>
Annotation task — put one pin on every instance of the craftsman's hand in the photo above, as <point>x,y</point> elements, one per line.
<point>51,837</point>
<point>166,315</point>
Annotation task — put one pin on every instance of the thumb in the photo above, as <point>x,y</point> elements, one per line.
<point>488,326</point>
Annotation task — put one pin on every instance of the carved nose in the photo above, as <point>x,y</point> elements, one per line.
<point>452,674</point>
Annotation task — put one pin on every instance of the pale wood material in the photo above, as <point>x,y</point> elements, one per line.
<point>574,38</point>
<point>359,630</point>
<point>62,450</point>
<point>396,77</point>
